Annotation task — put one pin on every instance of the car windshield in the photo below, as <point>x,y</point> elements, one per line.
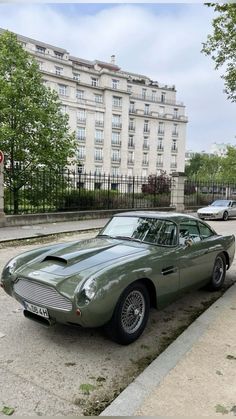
<point>149,230</point>
<point>220,203</point>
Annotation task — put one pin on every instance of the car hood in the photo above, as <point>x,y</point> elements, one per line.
<point>77,257</point>
<point>211,209</point>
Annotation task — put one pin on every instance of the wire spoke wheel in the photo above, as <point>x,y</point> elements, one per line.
<point>218,271</point>
<point>133,311</point>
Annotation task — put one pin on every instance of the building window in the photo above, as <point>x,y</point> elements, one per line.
<point>162,110</point>
<point>173,163</point>
<point>146,126</point>
<point>98,154</point>
<point>146,109</point>
<point>98,98</point>
<point>40,50</point>
<point>58,70</point>
<point>58,54</point>
<point>131,141</point>
<point>160,160</point>
<point>81,152</point>
<point>130,157</point>
<point>175,130</point>
<point>115,155</point>
<point>76,76</point>
<point>131,125</point>
<point>130,171</point>
<point>99,119</point>
<point>115,84</point>
<point>146,143</point>
<point>79,94</point>
<point>161,128</point>
<point>115,137</point>
<point>98,170</point>
<point>163,97</point>
<point>117,101</point>
<point>62,89</point>
<point>144,172</point>
<point>99,135</point>
<point>116,121</point>
<point>81,133</point>
<point>115,171</point>
<point>145,158</point>
<point>132,107</point>
<point>94,81</point>
<point>81,115</point>
<point>174,145</point>
<point>160,144</point>
<point>129,89</point>
<point>144,93</point>
<point>176,112</point>
<point>154,95</point>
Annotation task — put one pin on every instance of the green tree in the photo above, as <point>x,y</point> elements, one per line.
<point>229,166</point>
<point>204,167</point>
<point>221,45</point>
<point>33,131</point>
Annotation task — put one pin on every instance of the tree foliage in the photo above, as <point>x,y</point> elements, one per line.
<point>203,167</point>
<point>221,45</point>
<point>33,130</point>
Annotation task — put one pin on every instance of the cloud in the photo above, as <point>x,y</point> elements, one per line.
<point>162,42</point>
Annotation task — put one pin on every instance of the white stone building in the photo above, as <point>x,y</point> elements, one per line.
<point>125,123</point>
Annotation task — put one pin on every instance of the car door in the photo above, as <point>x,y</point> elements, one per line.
<point>233,209</point>
<point>196,254</point>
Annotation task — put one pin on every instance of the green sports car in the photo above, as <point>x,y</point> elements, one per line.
<point>139,260</point>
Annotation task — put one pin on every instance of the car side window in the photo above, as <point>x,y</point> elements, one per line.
<point>189,230</point>
<point>234,204</point>
<point>205,231</point>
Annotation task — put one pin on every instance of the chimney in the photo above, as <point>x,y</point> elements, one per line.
<point>113,59</point>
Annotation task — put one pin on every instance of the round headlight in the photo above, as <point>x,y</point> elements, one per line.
<point>88,291</point>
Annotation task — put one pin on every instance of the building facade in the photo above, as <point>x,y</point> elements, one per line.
<point>125,123</point>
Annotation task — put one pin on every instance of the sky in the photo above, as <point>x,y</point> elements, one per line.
<point>161,41</point>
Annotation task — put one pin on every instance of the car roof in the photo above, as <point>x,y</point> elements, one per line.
<point>172,216</point>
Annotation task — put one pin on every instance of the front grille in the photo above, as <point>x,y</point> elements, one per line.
<point>41,294</point>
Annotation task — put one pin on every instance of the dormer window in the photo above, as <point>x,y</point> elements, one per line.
<point>58,54</point>
<point>40,50</point>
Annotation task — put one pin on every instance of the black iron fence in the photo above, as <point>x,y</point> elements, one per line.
<point>197,194</point>
<point>42,191</point>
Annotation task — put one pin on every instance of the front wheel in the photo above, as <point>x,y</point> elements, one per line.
<point>225,216</point>
<point>131,314</point>
<point>218,273</point>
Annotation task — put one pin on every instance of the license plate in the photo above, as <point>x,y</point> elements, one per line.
<point>40,311</point>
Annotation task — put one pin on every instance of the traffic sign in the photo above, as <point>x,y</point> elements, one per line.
<point>1,157</point>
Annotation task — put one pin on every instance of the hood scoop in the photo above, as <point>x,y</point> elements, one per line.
<point>55,259</point>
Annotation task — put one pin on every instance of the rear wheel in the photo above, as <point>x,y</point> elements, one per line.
<point>131,314</point>
<point>218,273</point>
<point>225,216</point>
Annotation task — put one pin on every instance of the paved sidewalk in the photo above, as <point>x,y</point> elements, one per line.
<point>194,376</point>
<point>37,230</point>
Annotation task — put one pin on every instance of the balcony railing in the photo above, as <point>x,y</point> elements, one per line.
<point>173,165</point>
<point>175,134</point>
<point>99,123</point>
<point>161,132</point>
<point>115,159</point>
<point>159,163</point>
<point>156,99</point>
<point>98,140</point>
<point>98,158</point>
<point>146,147</point>
<point>146,130</point>
<point>131,145</point>
<point>116,143</point>
<point>81,138</point>
<point>130,161</point>
<point>81,120</point>
<point>174,149</point>
<point>145,163</point>
<point>132,109</point>
<point>117,125</point>
<point>131,127</point>
<point>160,148</point>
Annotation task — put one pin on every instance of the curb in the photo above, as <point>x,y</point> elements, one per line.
<point>132,398</point>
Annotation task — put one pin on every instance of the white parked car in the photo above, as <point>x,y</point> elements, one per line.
<point>220,209</point>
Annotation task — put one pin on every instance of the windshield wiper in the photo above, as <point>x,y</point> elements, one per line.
<point>127,238</point>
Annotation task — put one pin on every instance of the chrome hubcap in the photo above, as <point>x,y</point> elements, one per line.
<point>218,271</point>
<point>133,311</point>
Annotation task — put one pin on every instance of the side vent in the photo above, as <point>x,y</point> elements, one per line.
<point>55,259</point>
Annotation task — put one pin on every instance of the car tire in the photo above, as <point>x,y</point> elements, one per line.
<point>218,273</point>
<point>225,216</point>
<point>130,315</point>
